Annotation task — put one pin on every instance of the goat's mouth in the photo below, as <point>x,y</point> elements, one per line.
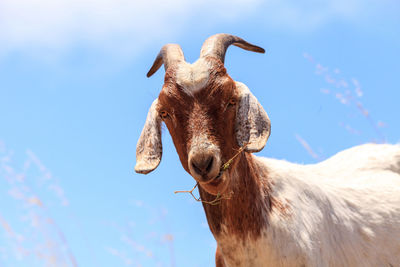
<point>214,181</point>
<point>216,185</point>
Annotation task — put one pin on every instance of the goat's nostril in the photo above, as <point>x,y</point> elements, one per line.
<point>203,165</point>
<point>196,169</point>
<point>209,165</point>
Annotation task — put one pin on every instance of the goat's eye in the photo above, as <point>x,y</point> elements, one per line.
<point>163,114</point>
<point>232,102</point>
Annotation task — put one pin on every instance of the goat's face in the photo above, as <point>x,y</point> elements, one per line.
<point>209,117</point>
<point>198,106</point>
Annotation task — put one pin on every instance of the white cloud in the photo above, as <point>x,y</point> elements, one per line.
<point>119,24</point>
<point>127,26</point>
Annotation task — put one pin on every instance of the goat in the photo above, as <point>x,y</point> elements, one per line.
<point>344,211</point>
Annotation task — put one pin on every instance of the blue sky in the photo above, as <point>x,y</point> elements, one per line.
<point>74,97</point>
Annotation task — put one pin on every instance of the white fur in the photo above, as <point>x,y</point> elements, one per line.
<point>193,77</point>
<point>344,211</point>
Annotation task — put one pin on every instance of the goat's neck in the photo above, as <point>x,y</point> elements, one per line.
<point>246,211</point>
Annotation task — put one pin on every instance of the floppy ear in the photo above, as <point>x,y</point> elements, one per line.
<point>149,147</point>
<point>253,126</point>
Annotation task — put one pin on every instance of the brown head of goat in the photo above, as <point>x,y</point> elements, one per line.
<point>209,115</point>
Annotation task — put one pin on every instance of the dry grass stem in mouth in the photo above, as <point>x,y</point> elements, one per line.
<point>216,201</point>
<point>219,196</point>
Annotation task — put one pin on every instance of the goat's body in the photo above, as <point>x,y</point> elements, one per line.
<point>344,211</point>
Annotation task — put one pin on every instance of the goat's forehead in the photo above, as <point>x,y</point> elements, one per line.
<point>194,77</point>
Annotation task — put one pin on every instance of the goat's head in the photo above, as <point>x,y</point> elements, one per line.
<point>208,115</point>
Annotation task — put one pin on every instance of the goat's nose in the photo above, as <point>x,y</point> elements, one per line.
<point>202,163</point>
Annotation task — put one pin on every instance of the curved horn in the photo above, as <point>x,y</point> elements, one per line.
<point>168,54</point>
<point>217,45</point>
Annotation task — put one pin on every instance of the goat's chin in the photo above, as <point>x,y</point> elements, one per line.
<point>215,186</point>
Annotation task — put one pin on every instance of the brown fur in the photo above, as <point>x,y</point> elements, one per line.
<point>244,213</point>
<point>219,260</point>
<point>208,111</point>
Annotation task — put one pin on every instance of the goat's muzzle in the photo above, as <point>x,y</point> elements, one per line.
<point>204,165</point>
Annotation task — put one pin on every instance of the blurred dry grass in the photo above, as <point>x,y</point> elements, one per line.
<point>349,94</point>
<point>33,236</point>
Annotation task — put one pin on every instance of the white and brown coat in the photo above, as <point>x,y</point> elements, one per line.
<point>344,211</point>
